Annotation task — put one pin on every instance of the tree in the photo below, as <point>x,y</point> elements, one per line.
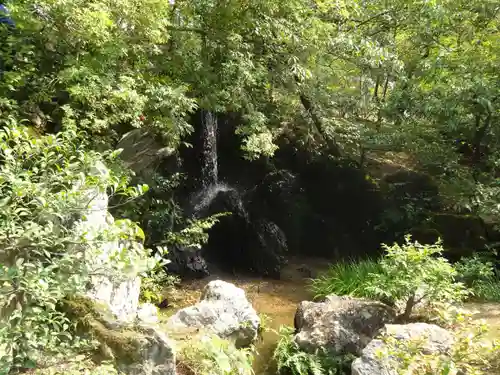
<point>415,274</point>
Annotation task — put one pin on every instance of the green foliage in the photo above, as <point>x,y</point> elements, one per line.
<point>415,274</point>
<point>471,353</point>
<point>154,284</point>
<point>291,360</point>
<point>211,355</point>
<point>46,254</point>
<point>480,276</point>
<point>346,278</point>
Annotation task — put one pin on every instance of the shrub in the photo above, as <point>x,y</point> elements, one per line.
<point>45,184</point>
<point>291,360</point>
<point>415,274</point>
<point>349,278</point>
<point>211,355</point>
<point>478,273</point>
<point>154,284</point>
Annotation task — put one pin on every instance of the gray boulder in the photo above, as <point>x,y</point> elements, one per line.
<point>154,355</point>
<point>223,310</point>
<point>340,324</point>
<point>435,340</point>
<point>119,289</point>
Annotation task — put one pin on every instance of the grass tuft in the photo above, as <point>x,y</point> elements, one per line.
<point>346,278</point>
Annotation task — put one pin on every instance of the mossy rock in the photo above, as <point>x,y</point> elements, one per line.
<point>118,342</point>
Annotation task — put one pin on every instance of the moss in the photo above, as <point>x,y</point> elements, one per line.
<point>122,343</point>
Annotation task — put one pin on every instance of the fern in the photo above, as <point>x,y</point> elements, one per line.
<point>290,360</point>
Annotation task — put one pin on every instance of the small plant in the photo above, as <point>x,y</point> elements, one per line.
<point>211,355</point>
<point>154,284</point>
<point>415,274</point>
<point>265,322</point>
<point>347,278</point>
<point>291,360</point>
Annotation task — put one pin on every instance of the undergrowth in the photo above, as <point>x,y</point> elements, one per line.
<point>291,360</point>
<point>211,355</point>
<point>346,278</point>
<point>79,365</point>
<point>478,273</point>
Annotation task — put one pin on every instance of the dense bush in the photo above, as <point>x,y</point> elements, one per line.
<point>480,275</point>
<point>414,274</point>
<point>46,254</point>
<point>408,275</point>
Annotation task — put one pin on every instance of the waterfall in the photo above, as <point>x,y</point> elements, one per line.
<point>209,170</point>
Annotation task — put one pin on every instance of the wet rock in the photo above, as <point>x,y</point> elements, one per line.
<point>187,263</point>
<point>240,241</point>
<point>223,310</point>
<point>340,324</point>
<point>436,340</point>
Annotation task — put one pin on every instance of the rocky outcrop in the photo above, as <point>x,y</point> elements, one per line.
<point>119,290</point>
<point>340,324</point>
<point>141,151</point>
<point>239,241</point>
<point>374,362</point>
<point>223,310</point>
<point>141,349</point>
<point>147,313</point>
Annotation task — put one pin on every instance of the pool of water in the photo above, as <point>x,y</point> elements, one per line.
<point>275,300</point>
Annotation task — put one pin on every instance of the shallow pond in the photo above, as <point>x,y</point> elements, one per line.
<point>276,301</point>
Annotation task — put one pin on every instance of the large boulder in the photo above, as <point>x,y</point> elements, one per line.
<point>340,324</point>
<point>223,310</point>
<point>142,151</point>
<point>239,241</point>
<point>137,349</point>
<point>118,289</point>
<point>373,362</point>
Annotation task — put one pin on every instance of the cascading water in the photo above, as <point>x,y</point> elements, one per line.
<point>209,168</point>
<point>239,241</point>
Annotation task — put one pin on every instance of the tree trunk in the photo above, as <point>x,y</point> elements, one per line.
<point>410,303</point>
<point>332,145</point>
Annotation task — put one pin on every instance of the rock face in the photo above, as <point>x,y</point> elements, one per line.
<point>141,151</point>
<point>187,262</point>
<point>156,354</point>
<point>119,291</point>
<point>147,313</point>
<point>223,310</point>
<point>437,340</point>
<point>137,349</point>
<point>340,324</point>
